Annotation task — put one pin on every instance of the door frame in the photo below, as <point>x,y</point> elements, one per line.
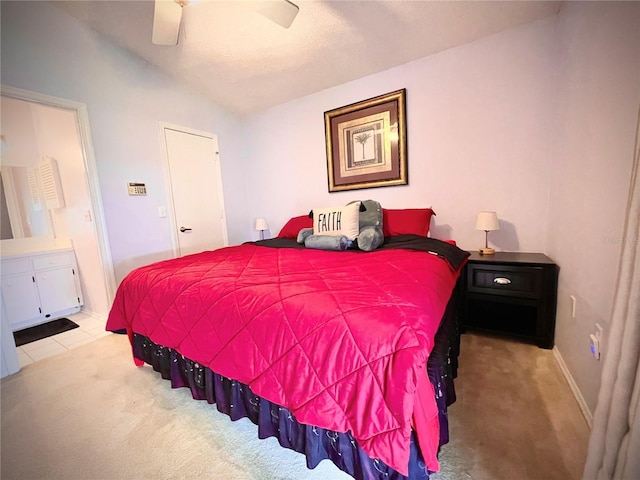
<point>171,214</point>
<point>91,171</point>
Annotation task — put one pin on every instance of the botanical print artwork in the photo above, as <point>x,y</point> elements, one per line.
<point>366,144</point>
<point>364,147</point>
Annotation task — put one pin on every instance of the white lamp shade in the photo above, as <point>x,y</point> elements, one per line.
<point>487,221</point>
<point>261,224</point>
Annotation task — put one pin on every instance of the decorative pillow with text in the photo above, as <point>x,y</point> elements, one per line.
<point>337,221</point>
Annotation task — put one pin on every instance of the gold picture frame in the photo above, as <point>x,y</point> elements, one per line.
<point>367,143</point>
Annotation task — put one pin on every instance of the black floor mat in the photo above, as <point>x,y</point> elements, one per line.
<point>44,330</point>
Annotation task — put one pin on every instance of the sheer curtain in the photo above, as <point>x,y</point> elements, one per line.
<point>614,446</point>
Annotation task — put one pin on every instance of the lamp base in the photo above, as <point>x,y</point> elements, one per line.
<point>486,251</point>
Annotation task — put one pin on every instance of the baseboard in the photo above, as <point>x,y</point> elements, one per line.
<point>586,413</point>
<point>92,314</point>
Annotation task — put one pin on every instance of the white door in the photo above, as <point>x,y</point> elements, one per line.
<point>195,189</point>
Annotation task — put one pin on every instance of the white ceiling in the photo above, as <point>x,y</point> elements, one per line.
<point>246,63</point>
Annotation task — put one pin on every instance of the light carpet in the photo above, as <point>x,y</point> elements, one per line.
<point>515,417</point>
<point>90,414</point>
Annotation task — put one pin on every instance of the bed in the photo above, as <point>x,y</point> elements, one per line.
<point>346,355</point>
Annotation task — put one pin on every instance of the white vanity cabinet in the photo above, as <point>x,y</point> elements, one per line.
<point>39,287</point>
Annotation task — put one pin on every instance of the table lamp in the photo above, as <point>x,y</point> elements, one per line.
<point>487,221</point>
<point>261,226</point>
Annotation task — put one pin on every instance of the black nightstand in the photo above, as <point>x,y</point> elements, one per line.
<point>511,293</point>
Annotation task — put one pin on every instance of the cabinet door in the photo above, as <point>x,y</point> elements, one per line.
<point>57,290</point>
<point>20,298</point>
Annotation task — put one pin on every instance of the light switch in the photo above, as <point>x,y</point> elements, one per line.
<point>87,216</point>
<point>162,212</point>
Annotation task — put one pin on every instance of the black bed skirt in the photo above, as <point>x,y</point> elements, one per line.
<point>238,401</point>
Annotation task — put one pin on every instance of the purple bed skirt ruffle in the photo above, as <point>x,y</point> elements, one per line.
<point>238,401</point>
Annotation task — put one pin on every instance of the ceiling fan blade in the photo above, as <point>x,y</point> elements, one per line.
<point>167,15</point>
<point>282,12</point>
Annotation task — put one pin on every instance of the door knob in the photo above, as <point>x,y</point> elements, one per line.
<point>184,229</point>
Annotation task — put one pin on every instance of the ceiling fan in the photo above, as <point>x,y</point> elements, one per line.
<point>167,16</point>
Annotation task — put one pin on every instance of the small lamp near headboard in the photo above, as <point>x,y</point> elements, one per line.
<point>261,226</point>
<point>487,221</point>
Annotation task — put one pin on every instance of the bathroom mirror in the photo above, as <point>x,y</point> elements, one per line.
<point>22,208</point>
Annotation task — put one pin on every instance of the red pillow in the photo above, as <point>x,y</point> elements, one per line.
<point>294,225</point>
<point>408,221</point>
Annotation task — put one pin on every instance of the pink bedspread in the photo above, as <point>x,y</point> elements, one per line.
<point>339,338</point>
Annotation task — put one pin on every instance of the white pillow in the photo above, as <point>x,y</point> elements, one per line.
<point>337,221</point>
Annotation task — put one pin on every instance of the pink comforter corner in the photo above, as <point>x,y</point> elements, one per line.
<point>339,338</point>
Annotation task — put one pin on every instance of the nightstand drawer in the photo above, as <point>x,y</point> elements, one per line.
<point>505,280</point>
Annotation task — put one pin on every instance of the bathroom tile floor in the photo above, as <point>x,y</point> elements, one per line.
<point>90,328</point>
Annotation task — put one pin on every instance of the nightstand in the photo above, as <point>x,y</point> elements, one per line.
<point>511,293</point>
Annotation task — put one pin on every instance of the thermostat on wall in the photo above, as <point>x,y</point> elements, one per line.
<point>137,188</point>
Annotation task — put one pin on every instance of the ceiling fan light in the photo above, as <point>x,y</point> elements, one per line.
<point>166,22</point>
<point>282,12</point>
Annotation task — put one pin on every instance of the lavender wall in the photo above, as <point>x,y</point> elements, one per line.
<point>596,114</point>
<point>479,138</point>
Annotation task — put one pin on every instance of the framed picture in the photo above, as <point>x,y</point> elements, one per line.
<point>367,143</point>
